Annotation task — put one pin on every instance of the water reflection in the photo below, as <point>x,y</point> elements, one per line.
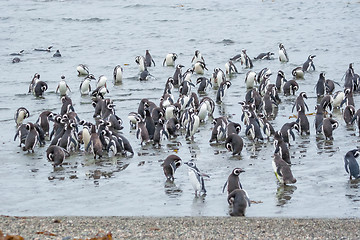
<point>198,205</point>
<point>284,193</point>
<point>171,189</point>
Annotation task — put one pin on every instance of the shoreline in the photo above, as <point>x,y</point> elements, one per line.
<point>79,227</point>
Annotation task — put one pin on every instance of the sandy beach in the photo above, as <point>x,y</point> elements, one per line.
<point>179,228</point>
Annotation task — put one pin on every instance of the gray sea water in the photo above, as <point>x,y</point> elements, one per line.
<point>102,34</point>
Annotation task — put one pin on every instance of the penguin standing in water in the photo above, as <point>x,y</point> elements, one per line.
<point>222,90</point>
<point>140,61</point>
<point>118,74</point>
<point>357,119</point>
<point>230,68</point>
<point>250,79</point>
<point>82,70</point>
<point>239,200</point>
<point>148,59</point>
<point>319,118</point>
<point>203,84</point>
<point>234,144</point>
<point>351,165</point>
<point>281,147</point>
<point>233,181</point>
<point>32,137</point>
<point>245,59</point>
<point>300,103</point>
<point>171,163</point>
<point>286,131</point>
<point>178,75</point>
<point>57,53</point>
<point>309,64</point>
<point>298,72</point>
<point>320,85</point>
<point>280,80</point>
<point>39,88</point>
<point>290,87</point>
<point>160,132</point>
<point>95,143</point>
<point>197,58</point>
<point>20,114</point>
<point>21,133</point>
<point>56,155</point>
<point>328,126</point>
<point>142,132</point>
<point>170,59</point>
<point>283,57</point>
<point>62,87</point>
<point>85,86</point>
<point>282,170</point>
<point>196,178</point>
<point>348,114</point>
<point>303,122</point>
<point>199,67</point>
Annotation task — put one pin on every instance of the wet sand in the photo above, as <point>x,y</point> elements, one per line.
<point>179,228</point>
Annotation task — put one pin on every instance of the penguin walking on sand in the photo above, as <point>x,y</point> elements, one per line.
<point>283,57</point>
<point>351,165</point>
<point>196,178</point>
<point>233,181</point>
<point>282,170</point>
<point>171,163</point>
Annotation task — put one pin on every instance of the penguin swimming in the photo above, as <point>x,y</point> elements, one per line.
<point>233,181</point>
<point>20,114</point>
<point>62,87</point>
<point>239,200</point>
<point>283,57</point>
<point>118,74</point>
<point>282,170</point>
<point>57,53</point>
<point>17,53</point>
<point>171,163</point>
<point>351,165</point>
<point>309,64</point>
<point>16,60</point>
<point>196,178</point>
<point>265,56</point>
<point>149,61</point>
<point>170,59</point>
<point>44,49</point>
<point>82,70</point>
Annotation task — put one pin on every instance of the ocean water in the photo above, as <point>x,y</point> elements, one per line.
<point>103,34</point>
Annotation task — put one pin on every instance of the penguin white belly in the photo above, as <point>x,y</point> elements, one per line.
<point>62,88</point>
<point>194,181</point>
<point>250,80</point>
<point>198,69</point>
<point>169,112</point>
<point>282,56</point>
<point>276,174</point>
<point>169,60</point>
<point>86,137</point>
<point>102,81</point>
<point>202,111</point>
<point>338,99</point>
<point>85,87</point>
<point>118,75</point>
<point>81,70</point>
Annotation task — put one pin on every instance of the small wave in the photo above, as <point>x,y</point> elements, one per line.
<point>137,6</point>
<point>226,42</point>
<point>85,20</point>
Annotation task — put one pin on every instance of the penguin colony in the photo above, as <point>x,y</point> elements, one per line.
<point>64,132</point>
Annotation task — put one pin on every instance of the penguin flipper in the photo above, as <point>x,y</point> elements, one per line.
<point>307,107</point>
<point>224,186</point>
<point>88,146</point>
<point>346,165</point>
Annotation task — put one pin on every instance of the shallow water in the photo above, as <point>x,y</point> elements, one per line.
<point>103,34</point>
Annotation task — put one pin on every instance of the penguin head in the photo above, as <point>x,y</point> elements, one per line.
<point>228,146</point>
<point>237,171</point>
<point>355,152</point>
<point>29,126</point>
<point>191,164</point>
<point>303,95</point>
<point>311,57</point>
<point>281,73</point>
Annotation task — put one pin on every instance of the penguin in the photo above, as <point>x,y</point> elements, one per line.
<point>245,59</point>
<point>338,98</point>
<point>203,84</point>
<point>348,114</point>
<point>199,67</point>
<point>82,70</point>
<point>177,75</point>
<point>40,88</point>
<point>85,133</point>
<point>169,86</point>
<point>196,178</point>
<point>357,119</point>
<point>32,137</point>
<point>219,130</point>
<point>234,144</point>
<point>85,86</point>
<point>15,60</point>
<point>320,85</point>
<point>232,127</point>
<point>210,105</point>
<point>95,144</point>
<point>309,64</point>
<point>319,117</point>
<point>43,49</point>
<point>172,125</point>
<point>56,155</point>
<point>118,74</point>
<point>99,92</point>
<point>281,147</point>
<point>192,126</point>
<point>239,200</point>
<point>160,132</point>
<point>327,127</point>
<point>69,139</point>
<point>349,98</point>
<point>268,129</point>
<point>349,77</point>
<point>17,53</point>
<point>280,80</point>
<point>157,113</point>
<point>300,103</point>
<point>298,73</point>
<point>148,59</point>
<point>268,102</point>
<point>171,163</point>
<point>132,119</point>
<point>57,53</point>
<point>250,79</point>
<point>187,75</point>
<point>35,79</point>
<point>62,87</point>
<point>233,181</point>
<point>282,170</point>
<point>303,122</point>
<point>21,133</point>
<point>140,61</point>
<point>351,165</point>
<point>253,129</point>
<point>197,58</point>
<point>290,87</point>
<point>149,123</point>
<point>126,143</point>
<point>170,59</point>
<point>264,82</point>
<point>330,86</point>
<point>230,68</point>
<point>101,81</point>
<point>286,131</point>
<point>263,75</point>
<point>218,77</point>
<point>283,57</point>
<point>185,88</point>
<point>193,101</point>
<point>254,97</point>
<point>144,75</point>
<point>21,114</point>
<point>326,102</point>
<point>66,106</point>
<point>222,90</point>
<point>265,56</point>
<point>142,132</point>
<point>43,121</point>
